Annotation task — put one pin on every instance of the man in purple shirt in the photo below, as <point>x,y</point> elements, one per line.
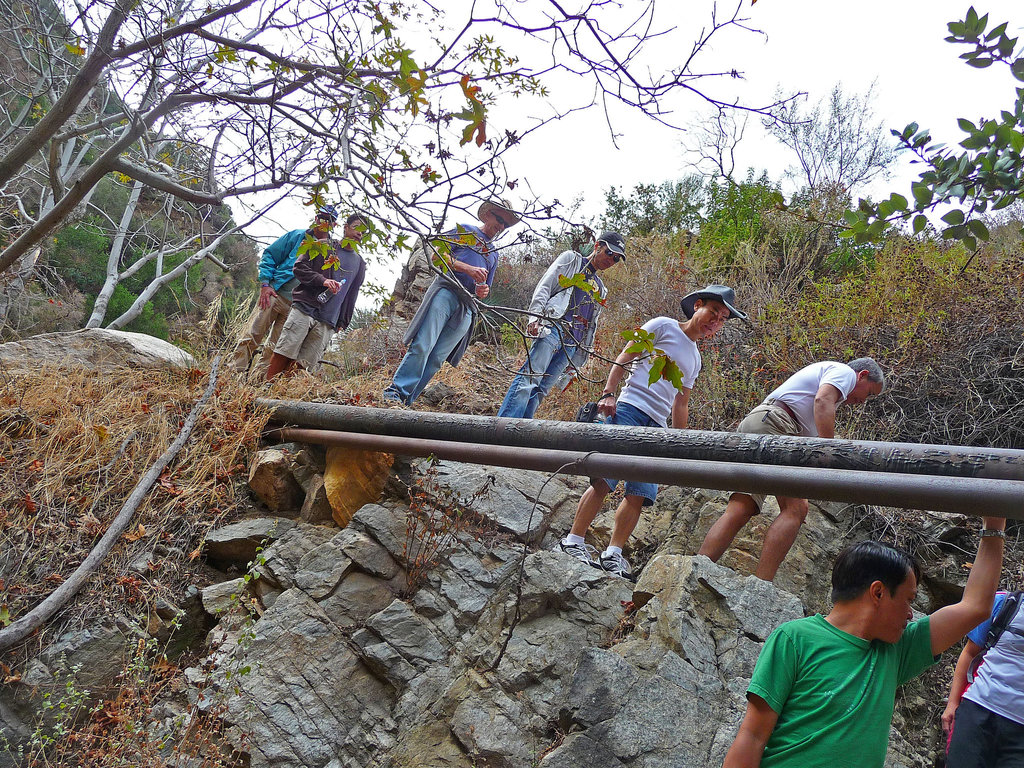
<point>330,274</point>
<point>441,328</point>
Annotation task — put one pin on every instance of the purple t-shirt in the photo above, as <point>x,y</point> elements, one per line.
<point>480,254</point>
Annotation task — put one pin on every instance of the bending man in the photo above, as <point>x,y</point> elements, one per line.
<point>805,405</point>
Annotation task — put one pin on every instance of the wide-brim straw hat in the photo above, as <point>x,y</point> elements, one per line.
<point>722,293</point>
<point>501,209</point>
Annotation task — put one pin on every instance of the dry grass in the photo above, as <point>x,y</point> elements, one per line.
<point>73,444</point>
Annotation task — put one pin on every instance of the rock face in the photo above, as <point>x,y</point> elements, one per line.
<point>392,643</point>
<point>441,629</point>
<point>96,348</point>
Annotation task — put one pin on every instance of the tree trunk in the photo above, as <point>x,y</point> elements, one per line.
<point>99,308</point>
<point>15,282</point>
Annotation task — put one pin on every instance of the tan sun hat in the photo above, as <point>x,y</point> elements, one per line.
<point>500,209</point>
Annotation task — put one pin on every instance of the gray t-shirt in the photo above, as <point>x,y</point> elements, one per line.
<point>656,399</point>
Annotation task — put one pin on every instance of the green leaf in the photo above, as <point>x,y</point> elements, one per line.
<point>920,222</point>
<point>657,366</point>
<point>850,218</point>
<point>978,229</point>
<point>899,202</point>
<point>1018,68</point>
<point>954,217</point>
<point>966,125</point>
<point>922,194</point>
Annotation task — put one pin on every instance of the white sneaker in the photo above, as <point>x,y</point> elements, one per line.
<point>617,564</point>
<point>582,552</point>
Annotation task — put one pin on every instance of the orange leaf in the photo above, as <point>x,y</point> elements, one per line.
<point>138,534</point>
<point>30,506</point>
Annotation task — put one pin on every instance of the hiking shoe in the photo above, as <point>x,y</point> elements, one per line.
<point>582,552</point>
<point>616,564</point>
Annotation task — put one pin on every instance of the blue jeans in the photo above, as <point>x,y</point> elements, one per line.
<point>445,323</point>
<point>546,361</point>
<point>632,416</point>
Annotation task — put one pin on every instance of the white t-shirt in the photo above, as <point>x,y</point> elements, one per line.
<point>656,399</point>
<point>798,390</point>
<point>999,682</point>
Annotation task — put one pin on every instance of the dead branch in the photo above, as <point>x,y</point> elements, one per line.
<point>28,623</point>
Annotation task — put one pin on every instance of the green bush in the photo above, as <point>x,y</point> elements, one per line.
<point>79,255</point>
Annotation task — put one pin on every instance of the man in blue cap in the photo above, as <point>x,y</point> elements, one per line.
<point>564,322</point>
<point>646,404</point>
<point>277,281</point>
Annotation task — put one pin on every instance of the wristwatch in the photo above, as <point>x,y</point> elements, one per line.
<point>992,533</point>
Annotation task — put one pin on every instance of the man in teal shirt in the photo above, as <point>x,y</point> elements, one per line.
<point>824,687</point>
<point>277,280</point>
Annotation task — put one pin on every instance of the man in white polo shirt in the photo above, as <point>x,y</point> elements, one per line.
<point>805,404</point>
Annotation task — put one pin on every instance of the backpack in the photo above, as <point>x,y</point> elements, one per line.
<point>1000,623</point>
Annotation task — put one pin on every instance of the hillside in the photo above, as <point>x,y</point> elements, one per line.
<point>285,640</point>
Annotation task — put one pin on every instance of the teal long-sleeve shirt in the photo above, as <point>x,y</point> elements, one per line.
<point>278,260</point>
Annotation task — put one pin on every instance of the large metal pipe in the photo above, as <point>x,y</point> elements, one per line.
<point>971,496</point>
<point>905,458</point>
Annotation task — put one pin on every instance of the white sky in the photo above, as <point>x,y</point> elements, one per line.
<point>807,45</point>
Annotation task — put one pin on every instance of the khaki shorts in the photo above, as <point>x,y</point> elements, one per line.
<point>303,339</point>
<point>767,420</point>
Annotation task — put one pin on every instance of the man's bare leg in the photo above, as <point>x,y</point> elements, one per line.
<point>626,518</point>
<point>780,536</point>
<point>589,505</point>
<point>738,512</point>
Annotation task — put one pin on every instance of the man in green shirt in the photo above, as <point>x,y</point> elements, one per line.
<point>824,687</point>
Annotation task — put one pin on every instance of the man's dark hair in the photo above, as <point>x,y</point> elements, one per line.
<point>864,562</point>
<point>354,218</point>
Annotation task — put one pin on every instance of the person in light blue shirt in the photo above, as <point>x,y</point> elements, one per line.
<point>984,718</point>
<point>443,325</point>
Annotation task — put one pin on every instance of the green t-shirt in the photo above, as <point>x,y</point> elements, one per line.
<point>834,692</point>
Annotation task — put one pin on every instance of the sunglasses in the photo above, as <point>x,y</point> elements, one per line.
<point>616,257</point>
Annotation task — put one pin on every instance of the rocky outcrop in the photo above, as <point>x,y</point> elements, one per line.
<point>441,629</point>
<point>388,644</point>
<point>95,348</point>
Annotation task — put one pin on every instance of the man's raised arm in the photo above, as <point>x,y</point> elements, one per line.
<point>951,623</point>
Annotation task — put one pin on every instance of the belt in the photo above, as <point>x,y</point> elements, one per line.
<point>775,401</point>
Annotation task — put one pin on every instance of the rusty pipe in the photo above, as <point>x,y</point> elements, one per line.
<point>781,450</point>
<point>969,496</point>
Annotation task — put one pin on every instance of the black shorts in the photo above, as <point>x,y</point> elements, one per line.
<point>983,739</point>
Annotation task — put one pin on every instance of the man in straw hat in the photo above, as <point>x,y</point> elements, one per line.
<point>442,326</point>
<point>646,404</point>
<point>805,404</point>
